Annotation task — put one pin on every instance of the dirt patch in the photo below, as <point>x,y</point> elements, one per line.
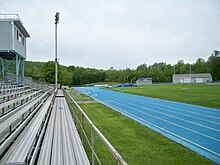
<point>87,102</point>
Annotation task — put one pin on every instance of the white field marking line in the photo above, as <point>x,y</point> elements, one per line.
<point>168,115</point>
<point>179,104</point>
<point>129,114</point>
<point>170,122</point>
<point>179,109</point>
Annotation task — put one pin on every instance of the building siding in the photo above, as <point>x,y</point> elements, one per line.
<point>144,81</point>
<point>18,45</point>
<point>9,41</point>
<point>5,35</point>
<point>195,78</point>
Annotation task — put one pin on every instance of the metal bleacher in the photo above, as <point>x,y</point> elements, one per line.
<point>7,97</point>
<point>16,112</point>
<point>36,127</point>
<point>11,90</point>
<point>27,140</point>
<point>7,86</point>
<point>12,104</point>
<point>62,144</point>
<point>10,121</point>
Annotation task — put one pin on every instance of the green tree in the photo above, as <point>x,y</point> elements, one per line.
<point>214,65</point>
<point>160,72</point>
<point>200,66</point>
<point>48,72</point>
<point>112,75</point>
<point>142,71</point>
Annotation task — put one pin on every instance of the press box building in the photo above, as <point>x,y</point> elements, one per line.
<point>13,43</point>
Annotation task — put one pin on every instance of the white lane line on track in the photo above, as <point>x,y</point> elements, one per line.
<point>178,104</point>
<point>171,107</point>
<point>172,123</point>
<point>129,103</point>
<point>177,112</point>
<point>160,128</point>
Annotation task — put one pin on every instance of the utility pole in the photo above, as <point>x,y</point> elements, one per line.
<point>56,69</point>
<point>190,72</point>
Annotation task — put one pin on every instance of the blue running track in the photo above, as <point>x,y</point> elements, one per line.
<point>195,127</point>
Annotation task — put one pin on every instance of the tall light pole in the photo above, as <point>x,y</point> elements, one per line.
<point>56,69</point>
<point>190,72</point>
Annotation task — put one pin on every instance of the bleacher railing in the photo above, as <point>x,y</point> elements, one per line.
<point>94,130</point>
<point>9,16</point>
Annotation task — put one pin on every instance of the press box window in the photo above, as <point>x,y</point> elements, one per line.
<point>22,40</point>
<point>17,35</point>
<point>20,37</point>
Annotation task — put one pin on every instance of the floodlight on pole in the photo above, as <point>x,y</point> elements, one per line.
<point>56,69</point>
<point>57,18</point>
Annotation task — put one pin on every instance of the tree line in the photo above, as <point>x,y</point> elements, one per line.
<point>159,72</point>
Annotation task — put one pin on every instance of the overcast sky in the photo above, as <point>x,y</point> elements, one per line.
<point>119,33</point>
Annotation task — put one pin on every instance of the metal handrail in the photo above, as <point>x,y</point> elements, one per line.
<point>117,156</point>
<point>9,16</point>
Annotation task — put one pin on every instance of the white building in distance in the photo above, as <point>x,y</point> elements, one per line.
<point>144,81</point>
<point>192,78</point>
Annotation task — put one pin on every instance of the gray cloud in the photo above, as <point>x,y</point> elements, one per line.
<point>120,33</point>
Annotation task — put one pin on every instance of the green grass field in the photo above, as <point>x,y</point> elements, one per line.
<point>137,144</point>
<point>199,94</point>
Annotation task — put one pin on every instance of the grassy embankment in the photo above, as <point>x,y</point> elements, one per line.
<point>136,143</point>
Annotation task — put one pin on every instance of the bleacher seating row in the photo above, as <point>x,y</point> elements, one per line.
<point>62,144</point>
<point>8,97</point>
<point>29,118</point>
